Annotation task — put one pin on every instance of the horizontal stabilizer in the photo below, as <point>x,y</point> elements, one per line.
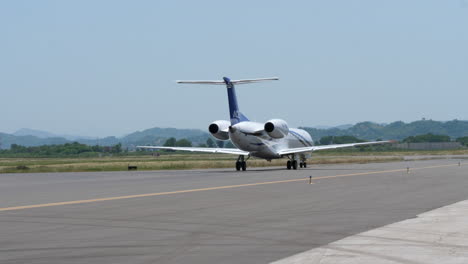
<point>203,82</point>
<point>222,82</point>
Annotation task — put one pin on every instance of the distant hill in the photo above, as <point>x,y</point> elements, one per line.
<point>7,139</point>
<point>45,134</point>
<point>152,136</point>
<point>34,132</point>
<point>396,130</point>
<point>157,136</point>
<point>346,126</point>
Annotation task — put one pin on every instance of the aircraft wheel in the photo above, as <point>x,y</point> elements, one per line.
<point>244,165</point>
<point>288,164</point>
<point>238,166</point>
<point>305,165</point>
<point>294,164</point>
<point>300,164</point>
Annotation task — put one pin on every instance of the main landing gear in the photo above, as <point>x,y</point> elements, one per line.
<point>292,162</point>
<point>241,163</point>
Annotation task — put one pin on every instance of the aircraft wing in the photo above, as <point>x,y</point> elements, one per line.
<point>334,146</point>
<point>209,150</point>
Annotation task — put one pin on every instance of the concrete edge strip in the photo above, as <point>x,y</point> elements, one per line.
<point>437,236</point>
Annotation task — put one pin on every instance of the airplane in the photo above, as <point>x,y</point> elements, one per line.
<point>270,140</point>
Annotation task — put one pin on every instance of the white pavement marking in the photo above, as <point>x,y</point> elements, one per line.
<point>438,236</point>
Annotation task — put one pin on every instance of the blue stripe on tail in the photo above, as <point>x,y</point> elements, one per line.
<point>234,113</point>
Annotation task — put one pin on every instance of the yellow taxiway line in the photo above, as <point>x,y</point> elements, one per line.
<point>208,189</point>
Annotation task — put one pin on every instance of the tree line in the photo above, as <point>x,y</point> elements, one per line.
<point>61,150</point>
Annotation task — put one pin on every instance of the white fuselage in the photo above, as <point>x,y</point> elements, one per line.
<point>250,136</point>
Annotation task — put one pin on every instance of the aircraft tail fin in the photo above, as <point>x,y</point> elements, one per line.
<point>235,115</point>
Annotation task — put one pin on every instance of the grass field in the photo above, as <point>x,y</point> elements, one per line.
<point>194,161</point>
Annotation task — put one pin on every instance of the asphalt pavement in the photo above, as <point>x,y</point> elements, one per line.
<point>212,216</point>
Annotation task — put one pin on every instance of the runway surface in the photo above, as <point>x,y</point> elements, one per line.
<point>212,216</point>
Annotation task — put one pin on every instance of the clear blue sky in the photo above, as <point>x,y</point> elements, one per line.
<point>108,67</point>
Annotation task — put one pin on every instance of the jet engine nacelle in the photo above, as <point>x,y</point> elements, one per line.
<point>219,129</point>
<point>276,128</point>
